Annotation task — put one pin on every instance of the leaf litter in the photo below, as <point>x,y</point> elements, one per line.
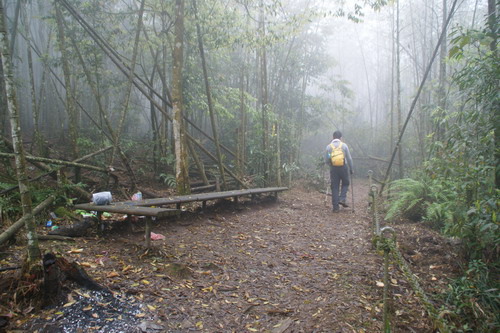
<point>258,266</point>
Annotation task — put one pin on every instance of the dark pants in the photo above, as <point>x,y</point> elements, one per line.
<point>339,174</point>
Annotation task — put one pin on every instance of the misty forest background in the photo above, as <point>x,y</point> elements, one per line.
<point>249,92</point>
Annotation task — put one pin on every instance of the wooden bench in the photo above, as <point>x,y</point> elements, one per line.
<point>129,210</point>
<point>204,197</point>
<point>144,207</point>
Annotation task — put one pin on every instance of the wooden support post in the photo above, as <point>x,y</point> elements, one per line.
<point>100,223</point>
<point>148,232</point>
<point>217,184</point>
<point>178,206</point>
<point>204,205</point>
<point>235,200</point>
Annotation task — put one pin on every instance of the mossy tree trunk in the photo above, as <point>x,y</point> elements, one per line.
<point>34,254</point>
<point>181,165</point>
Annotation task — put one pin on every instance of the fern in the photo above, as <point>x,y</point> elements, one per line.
<point>407,199</point>
<point>168,179</point>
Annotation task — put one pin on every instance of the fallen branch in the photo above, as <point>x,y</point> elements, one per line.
<point>61,162</point>
<point>44,167</point>
<point>49,172</point>
<point>13,268</point>
<point>13,229</point>
<point>55,237</point>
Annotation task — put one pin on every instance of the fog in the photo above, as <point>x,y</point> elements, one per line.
<point>317,65</point>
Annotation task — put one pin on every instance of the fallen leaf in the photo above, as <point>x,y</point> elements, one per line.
<point>380,284</point>
<point>112,274</point>
<point>75,251</point>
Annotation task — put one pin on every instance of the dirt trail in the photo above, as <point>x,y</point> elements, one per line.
<point>259,266</point>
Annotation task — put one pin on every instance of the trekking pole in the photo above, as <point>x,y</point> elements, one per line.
<point>325,179</point>
<point>352,192</point>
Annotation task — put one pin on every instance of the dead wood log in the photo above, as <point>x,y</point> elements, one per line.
<point>74,272</point>
<point>13,229</point>
<point>55,237</point>
<point>57,270</point>
<point>78,229</point>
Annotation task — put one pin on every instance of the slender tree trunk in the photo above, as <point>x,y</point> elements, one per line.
<point>130,78</point>
<point>243,124</point>
<point>398,90</point>
<point>209,99</point>
<point>4,117</point>
<point>14,27</point>
<point>198,162</point>
<point>34,253</point>
<point>181,165</point>
<point>278,154</point>
<point>393,65</point>
<point>264,99</point>
<point>70,98</point>
<point>443,53</point>
<point>493,28</point>
<point>37,136</point>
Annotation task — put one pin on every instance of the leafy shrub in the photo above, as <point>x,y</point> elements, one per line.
<point>475,300</point>
<point>480,231</point>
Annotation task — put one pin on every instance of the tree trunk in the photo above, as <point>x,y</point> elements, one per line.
<point>264,100</point>
<point>209,98</point>
<point>181,165</point>
<point>493,28</point>
<point>37,137</point>
<point>70,98</point>
<point>443,54</point>
<point>241,140</point>
<point>130,78</point>
<point>398,91</point>
<point>34,254</point>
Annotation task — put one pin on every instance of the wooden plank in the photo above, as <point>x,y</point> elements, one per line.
<point>203,196</point>
<point>129,210</point>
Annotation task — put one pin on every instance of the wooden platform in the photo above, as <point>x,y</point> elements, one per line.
<point>145,207</point>
<point>121,208</point>
<point>204,197</point>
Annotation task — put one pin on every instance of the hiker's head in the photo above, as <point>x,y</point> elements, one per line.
<point>337,135</point>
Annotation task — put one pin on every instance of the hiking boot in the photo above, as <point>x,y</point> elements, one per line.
<point>335,210</point>
<point>343,204</point>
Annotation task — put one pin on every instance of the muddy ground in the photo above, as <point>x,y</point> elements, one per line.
<point>289,265</point>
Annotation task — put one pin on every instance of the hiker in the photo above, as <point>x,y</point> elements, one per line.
<point>338,158</point>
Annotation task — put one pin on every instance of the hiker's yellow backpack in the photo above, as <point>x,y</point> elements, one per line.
<point>337,155</point>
